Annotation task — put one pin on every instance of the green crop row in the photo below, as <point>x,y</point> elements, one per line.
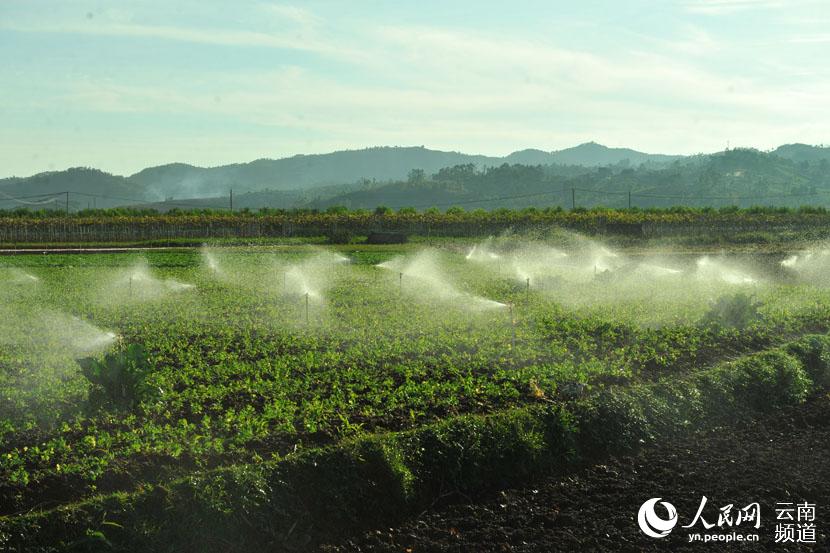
<point>233,374</point>
<point>369,481</point>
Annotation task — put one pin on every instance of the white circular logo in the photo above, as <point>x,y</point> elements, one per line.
<point>651,524</point>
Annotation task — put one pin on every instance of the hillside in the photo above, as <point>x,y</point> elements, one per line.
<point>91,187</point>
<point>803,152</point>
<point>371,164</point>
<point>589,154</point>
<point>298,172</point>
<point>588,174</point>
<point>179,181</point>
<point>735,177</point>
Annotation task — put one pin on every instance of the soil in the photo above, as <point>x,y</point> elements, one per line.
<point>783,457</point>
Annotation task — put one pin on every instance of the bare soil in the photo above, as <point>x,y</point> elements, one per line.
<point>784,457</point>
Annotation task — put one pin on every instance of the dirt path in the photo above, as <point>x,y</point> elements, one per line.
<point>782,458</point>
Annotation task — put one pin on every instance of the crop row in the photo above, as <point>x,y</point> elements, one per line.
<point>232,372</point>
<point>369,480</point>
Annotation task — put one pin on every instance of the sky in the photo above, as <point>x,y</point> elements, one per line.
<point>125,85</point>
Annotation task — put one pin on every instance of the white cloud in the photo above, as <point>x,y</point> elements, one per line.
<point>449,88</point>
<point>458,88</point>
<point>811,39</point>
<point>301,38</point>
<point>293,14</point>
<point>721,7</point>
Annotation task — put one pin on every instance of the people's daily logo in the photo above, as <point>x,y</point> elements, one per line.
<point>654,525</point>
<point>794,522</point>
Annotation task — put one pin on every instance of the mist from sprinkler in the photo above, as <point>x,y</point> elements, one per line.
<point>423,277</point>
<point>588,274</point>
<point>717,270</point>
<point>812,265</point>
<point>211,263</point>
<point>55,332</point>
<point>138,283</point>
<point>17,277</point>
<point>483,252</point>
<point>312,277</point>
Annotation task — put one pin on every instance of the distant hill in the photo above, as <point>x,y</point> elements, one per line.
<point>299,172</point>
<point>372,164</point>
<point>803,152</point>
<point>417,176</point>
<point>302,172</point>
<point>736,177</point>
<point>104,189</point>
<point>589,154</point>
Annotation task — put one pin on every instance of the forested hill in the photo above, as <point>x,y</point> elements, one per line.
<point>736,177</point>
<point>90,187</point>
<point>586,175</point>
<point>298,173</point>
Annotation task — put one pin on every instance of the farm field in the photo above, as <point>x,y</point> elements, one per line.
<point>591,510</point>
<point>126,372</point>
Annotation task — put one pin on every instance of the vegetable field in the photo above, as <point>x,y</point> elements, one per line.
<point>123,373</point>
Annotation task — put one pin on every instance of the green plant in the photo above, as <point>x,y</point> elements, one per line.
<point>339,235</point>
<point>611,421</point>
<point>119,379</point>
<point>761,382</point>
<point>814,352</point>
<point>737,311</point>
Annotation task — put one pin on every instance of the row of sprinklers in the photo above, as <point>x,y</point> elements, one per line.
<point>306,280</point>
<point>309,279</point>
<point>535,266</point>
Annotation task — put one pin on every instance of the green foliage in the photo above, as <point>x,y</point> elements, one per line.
<point>372,480</point>
<point>761,382</point>
<point>339,235</point>
<point>232,398</point>
<point>738,311</point>
<point>118,380</point>
<point>612,421</point>
<point>309,224</point>
<point>814,352</point>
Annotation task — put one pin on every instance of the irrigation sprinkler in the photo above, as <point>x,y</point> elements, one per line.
<point>527,288</point>
<point>512,327</point>
<point>306,308</point>
<point>284,282</point>
<point>400,284</point>
<point>131,286</point>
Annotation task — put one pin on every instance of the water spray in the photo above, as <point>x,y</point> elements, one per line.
<point>512,326</point>
<point>426,280</point>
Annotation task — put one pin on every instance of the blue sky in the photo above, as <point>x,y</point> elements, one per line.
<point>124,85</point>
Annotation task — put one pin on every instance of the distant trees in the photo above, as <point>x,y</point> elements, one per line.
<point>416,176</point>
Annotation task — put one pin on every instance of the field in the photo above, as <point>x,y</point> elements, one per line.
<point>122,374</point>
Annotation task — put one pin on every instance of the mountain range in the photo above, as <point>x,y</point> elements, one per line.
<point>418,176</point>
